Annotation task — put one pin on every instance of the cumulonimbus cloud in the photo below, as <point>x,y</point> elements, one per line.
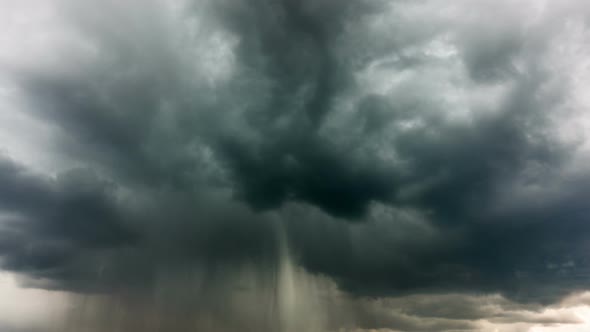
<point>402,147</point>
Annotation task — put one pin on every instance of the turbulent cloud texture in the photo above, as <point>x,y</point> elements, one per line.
<point>414,156</point>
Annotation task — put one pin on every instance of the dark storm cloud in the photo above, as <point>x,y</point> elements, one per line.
<point>112,111</point>
<point>436,134</point>
<point>48,221</point>
<point>78,232</point>
<point>455,312</point>
<point>76,206</point>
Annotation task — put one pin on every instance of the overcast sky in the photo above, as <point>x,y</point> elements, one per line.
<point>294,165</point>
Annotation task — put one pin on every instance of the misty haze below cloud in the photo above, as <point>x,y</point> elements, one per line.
<point>348,164</point>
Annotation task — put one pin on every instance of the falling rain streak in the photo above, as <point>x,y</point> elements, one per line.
<point>248,297</point>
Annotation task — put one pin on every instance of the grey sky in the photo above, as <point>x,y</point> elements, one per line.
<point>415,158</point>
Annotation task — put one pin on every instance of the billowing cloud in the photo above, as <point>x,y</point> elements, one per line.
<point>399,151</point>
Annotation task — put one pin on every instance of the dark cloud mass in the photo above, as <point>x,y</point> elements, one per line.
<point>412,156</point>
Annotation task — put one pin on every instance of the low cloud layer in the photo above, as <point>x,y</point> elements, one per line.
<point>402,151</point>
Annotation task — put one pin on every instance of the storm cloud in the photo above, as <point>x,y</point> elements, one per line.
<point>413,160</point>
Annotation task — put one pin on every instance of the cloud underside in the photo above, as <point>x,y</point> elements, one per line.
<point>397,148</point>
